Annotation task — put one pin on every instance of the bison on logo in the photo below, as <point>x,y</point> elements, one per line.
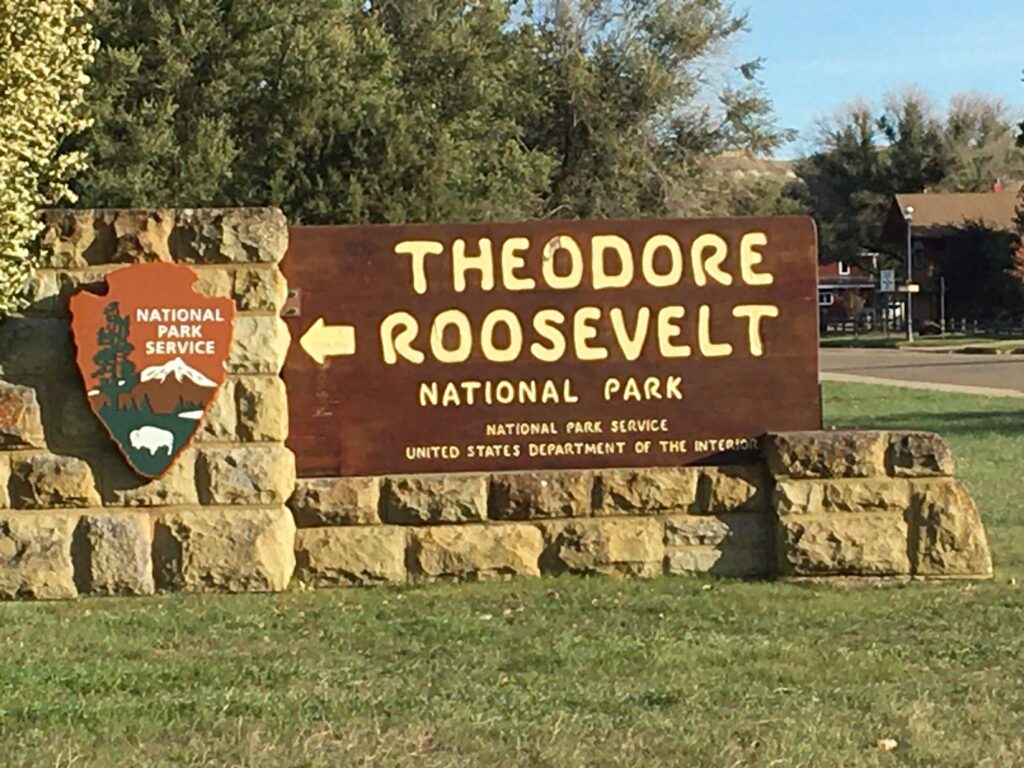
<point>152,353</point>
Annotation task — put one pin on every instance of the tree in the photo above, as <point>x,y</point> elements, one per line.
<point>409,110</point>
<point>115,372</point>
<point>45,48</point>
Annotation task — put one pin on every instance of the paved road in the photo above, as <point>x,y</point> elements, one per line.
<point>981,374</point>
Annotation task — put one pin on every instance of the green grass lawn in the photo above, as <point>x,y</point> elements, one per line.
<point>896,340</point>
<point>567,672</point>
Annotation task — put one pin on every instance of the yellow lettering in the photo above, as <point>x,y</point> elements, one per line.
<point>749,258</point>
<point>675,271</point>
<point>599,245</point>
<point>456,319</point>
<point>490,350</point>
<point>631,346</point>
<point>575,275</point>
<point>583,333</point>
<point>703,268</point>
<point>754,314</point>
<point>419,250</point>
<point>397,332</point>
<point>709,348</point>
<point>546,323</point>
<point>667,331</point>
<point>483,262</point>
<point>511,260</point>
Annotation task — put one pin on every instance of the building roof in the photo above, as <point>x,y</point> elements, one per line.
<point>947,210</point>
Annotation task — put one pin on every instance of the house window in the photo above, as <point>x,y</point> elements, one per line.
<point>844,268</point>
<point>826,299</point>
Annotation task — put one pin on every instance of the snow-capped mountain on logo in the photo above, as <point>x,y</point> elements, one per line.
<point>177,368</point>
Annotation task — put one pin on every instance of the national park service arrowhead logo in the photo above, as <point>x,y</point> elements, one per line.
<point>152,354</point>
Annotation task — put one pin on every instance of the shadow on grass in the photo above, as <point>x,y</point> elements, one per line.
<point>1004,423</point>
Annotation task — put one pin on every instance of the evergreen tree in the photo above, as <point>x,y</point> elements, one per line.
<point>115,372</point>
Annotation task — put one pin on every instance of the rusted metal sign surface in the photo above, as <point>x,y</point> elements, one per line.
<point>544,345</point>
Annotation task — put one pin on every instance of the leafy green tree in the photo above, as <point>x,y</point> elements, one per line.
<point>45,48</point>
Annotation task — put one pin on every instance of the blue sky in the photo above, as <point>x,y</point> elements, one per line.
<point>822,53</point>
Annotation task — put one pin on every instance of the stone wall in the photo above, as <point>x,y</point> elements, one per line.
<point>230,515</point>
<point>822,504</point>
<point>73,517</point>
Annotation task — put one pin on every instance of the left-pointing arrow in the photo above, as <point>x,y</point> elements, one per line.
<point>321,341</point>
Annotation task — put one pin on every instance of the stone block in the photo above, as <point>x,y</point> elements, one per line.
<point>810,497</point>
<point>123,488</point>
<point>808,455</point>
<point>21,421</point>
<point>114,554</point>
<point>259,289</point>
<point>259,344</point>
<point>5,479</point>
<point>428,499</point>
<point>536,495</point>
<point>474,552</point>
<point>741,562</point>
<point>41,293</point>
<point>919,454</point>
<point>615,547</point>
<point>736,529</point>
<point>214,281</point>
<point>34,345</point>
<point>947,537</point>
<point>35,556</point>
<point>48,481</point>
<point>75,424</point>
<point>261,404</point>
<point>238,550</point>
<point>353,556</point>
<point>329,501</point>
<point>260,475</point>
<point>852,545</point>
<point>643,491</point>
<point>221,419</point>
<point>74,239</point>
<point>225,236</point>
<point>740,488</point>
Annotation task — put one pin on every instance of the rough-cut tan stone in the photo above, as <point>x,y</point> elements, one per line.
<point>5,478</point>
<point>117,558</point>
<point>425,499</point>
<point>214,281</point>
<point>41,292</point>
<point>643,491</point>
<point>327,501</point>
<point>615,547</point>
<point>535,495</point>
<point>33,345</point>
<point>741,488</point>
<point>124,488</point>
<point>474,552</point>
<point>261,475</point>
<point>743,562</point>
<point>259,289</point>
<point>35,556</point>
<point>76,425</point>
<point>800,455</point>
<point>259,345</point>
<point>919,454</point>
<point>351,556</point>
<point>239,235</point>
<point>739,529</point>
<point>47,481</point>
<point>21,422</point>
<point>810,497</point>
<point>239,550</point>
<point>261,404</point>
<point>221,419</point>
<point>854,544</point>
<point>947,537</point>
<point>77,239</point>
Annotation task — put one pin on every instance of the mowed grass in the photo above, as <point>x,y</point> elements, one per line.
<point>566,672</point>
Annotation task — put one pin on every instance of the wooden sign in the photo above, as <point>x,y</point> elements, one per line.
<point>542,345</point>
<point>152,355</point>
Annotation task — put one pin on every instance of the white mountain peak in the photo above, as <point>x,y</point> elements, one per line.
<point>177,368</point>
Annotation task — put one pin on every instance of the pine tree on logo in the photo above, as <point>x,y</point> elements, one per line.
<point>116,373</point>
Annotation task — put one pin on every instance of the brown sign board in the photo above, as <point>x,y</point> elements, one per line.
<point>548,345</point>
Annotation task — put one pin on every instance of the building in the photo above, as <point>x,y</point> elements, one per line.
<point>845,293</point>
<point>953,237</point>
